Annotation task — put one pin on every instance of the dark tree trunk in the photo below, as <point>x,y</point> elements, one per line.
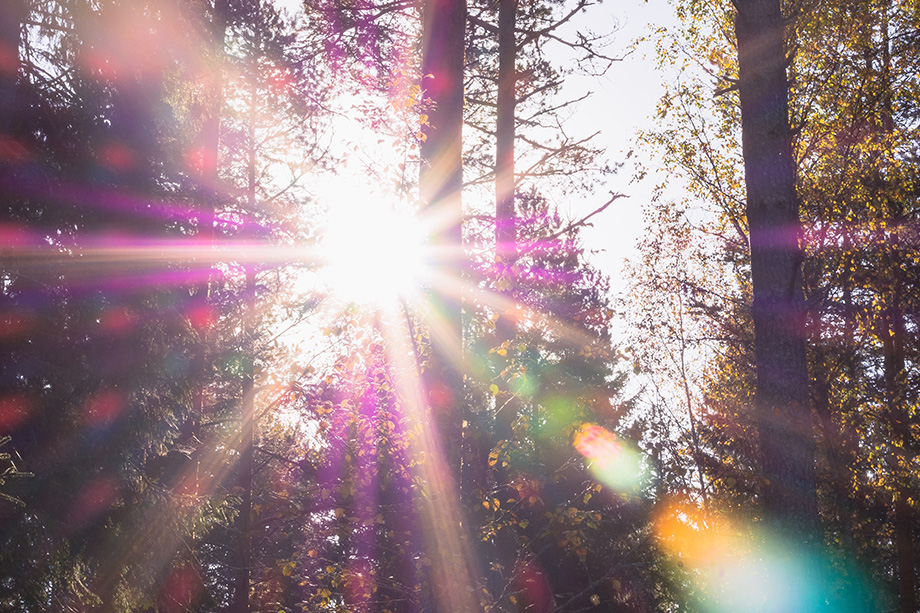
<point>894,340</point>
<point>11,18</point>
<point>210,129</point>
<point>835,450</point>
<point>208,143</point>
<point>781,397</point>
<point>501,550</point>
<point>904,538</point>
<point>440,182</point>
<point>893,335</point>
<point>243,577</point>
<point>505,224</point>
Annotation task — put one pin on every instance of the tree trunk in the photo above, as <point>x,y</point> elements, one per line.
<point>781,396</point>
<point>207,178</point>
<point>10,40</point>
<point>505,224</point>
<point>210,129</point>
<point>835,452</point>
<point>904,538</point>
<point>894,339</point>
<point>243,577</point>
<point>440,182</point>
<point>502,550</point>
<point>893,335</point>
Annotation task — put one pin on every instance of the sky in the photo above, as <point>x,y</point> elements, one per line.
<point>622,104</point>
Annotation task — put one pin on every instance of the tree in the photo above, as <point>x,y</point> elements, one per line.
<point>103,386</point>
<point>440,182</point>
<point>857,198</point>
<point>92,417</point>
<point>558,539</point>
<point>10,42</point>
<point>783,417</point>
<point>838,110</point>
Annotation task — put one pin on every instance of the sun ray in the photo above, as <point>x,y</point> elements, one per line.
<point>444,530</point>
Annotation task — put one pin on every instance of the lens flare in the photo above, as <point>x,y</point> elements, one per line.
<point>734,566</point>
<point>373,253</point>
<point>614,462</point>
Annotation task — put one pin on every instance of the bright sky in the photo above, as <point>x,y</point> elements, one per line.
<point>623,103</point>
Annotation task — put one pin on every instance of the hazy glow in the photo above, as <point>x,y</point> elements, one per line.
<point>736,568</point>
<point>373,254</point>
<point>453,561</point>
<point>613,461</point>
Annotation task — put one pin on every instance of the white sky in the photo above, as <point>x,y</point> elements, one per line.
<point>623,103</point>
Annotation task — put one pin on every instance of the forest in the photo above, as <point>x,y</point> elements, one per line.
<point>295,314</point>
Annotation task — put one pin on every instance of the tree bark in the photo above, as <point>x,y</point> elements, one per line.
<point>505,224</point>
<point>206,178</point>
<point>893,335</point>
<point>895,365</point>
<point>781,396</point>
<point>440,182</point>
<point>835,450</point>
<point>243,577</point>
<point>11,18</point>
<point>502,551</point>
<point>210,128</point>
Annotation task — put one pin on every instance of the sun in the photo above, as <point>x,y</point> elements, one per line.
<point>373,251</point>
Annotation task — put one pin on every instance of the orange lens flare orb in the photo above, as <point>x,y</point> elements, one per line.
<point>613,462</point>
<point>734,566</point>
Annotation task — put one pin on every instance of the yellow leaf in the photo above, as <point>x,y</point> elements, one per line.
<point>493,457</point>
